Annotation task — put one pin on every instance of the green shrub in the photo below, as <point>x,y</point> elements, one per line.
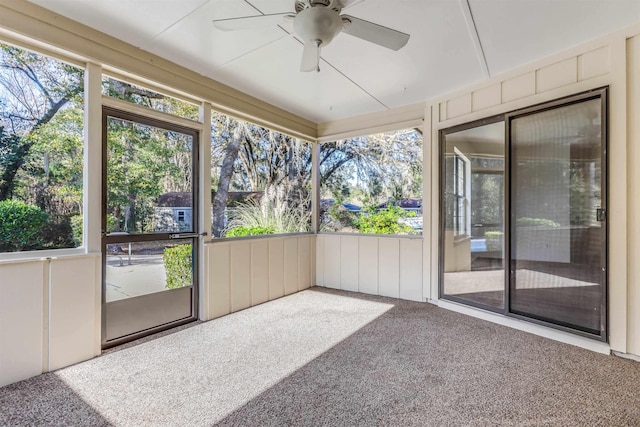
<point>494,240</point>
<point>536,222</point>
<point>178,266</point>
<point>493,234</point>
<point>249,231</point>
<point>384,221</point>
<point>76,227</point>
<point>20,225</point>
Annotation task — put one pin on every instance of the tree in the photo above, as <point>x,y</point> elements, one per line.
<point>41,140</point>
<point>34,89</point>
<point>382,165</point>
<point>247,157</point>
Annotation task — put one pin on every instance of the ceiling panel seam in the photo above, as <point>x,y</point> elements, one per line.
<point>353,82</point>
<point>177,22</point>
<point>475,37</point>
<point>232,60</point>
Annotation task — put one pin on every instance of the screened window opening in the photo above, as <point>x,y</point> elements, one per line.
<point>139,95</point>
<point>372,184</point>
<point>41,146</point>
<point>260,179</point>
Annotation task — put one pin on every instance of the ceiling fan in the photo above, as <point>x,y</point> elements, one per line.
<point>317,22</point>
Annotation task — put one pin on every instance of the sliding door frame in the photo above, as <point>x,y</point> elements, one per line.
<point>508,259</point>
<point>602,94</point>
<point>441,244</point>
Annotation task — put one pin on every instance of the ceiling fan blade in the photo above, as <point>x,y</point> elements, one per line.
<point>346,3</point>
<point>310,58</point>
<point>374,33</point>
<point>248,22</point>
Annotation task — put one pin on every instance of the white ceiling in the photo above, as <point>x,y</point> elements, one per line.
<point>449,39</point>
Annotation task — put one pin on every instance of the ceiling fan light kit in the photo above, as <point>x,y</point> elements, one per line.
<point>317,23</point>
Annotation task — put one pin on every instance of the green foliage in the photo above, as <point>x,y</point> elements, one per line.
<point>338,218</point>
<point>374,167</point>
<point>274,213</point>
<point>493,234</point>
<point>76,227</point>
<point>536,222</point>
<point>20,225</point>
<point>494,240</point>
<point>241,231</point>
<point>178,266</point>
<point>384,221</point>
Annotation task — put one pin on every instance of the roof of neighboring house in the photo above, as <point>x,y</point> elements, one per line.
<point>175,199</point>
<point>403,203</point>
<point>327,203</point>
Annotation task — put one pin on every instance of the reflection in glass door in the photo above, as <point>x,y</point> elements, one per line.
<point>149,226</point>
<point>523,214</point>
<point>557,215</point>
<point>473,252</point>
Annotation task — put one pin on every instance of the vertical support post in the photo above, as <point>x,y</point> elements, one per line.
<point>315,187</point>
<point>92,185</point>
<point>205,209</point>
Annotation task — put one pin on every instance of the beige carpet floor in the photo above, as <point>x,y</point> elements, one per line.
<point>332,358</point>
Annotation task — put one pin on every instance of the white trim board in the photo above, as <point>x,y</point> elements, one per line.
<point>532,328</point>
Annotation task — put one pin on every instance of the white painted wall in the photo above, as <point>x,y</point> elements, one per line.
<point>378,265</point>
<point>47,315</point>
<point>247,272</point>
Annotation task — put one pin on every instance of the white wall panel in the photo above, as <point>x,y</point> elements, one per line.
<point>240,276</point>
<point>486,97</point>
<point>459,106</point>
<point>21,320</point>
<point>72,292</point>
<point>411,269</point>
<point>332,258</point>
<point>519,87</point>
<point>633,228</point>
<point>560,74</point>
<point>594,63</point>
<point>349,263</point>
<point>368,265</point>
<point>219,280</point>
<point>247,272</point>
<point>319,260</point>
<point>304,260</point>
<point>389,267</point>
<point>276,268</point>
<point>291,265</point>
<point>385,265</point>
<point>259,272</point>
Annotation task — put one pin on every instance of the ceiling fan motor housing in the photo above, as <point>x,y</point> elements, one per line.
<point>317,25</point>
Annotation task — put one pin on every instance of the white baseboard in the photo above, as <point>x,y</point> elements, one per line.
<point>521,325</point>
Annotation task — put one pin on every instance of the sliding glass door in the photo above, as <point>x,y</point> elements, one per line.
<point>523,214</point>
<point>473,250</point>
<point>558,252</point>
